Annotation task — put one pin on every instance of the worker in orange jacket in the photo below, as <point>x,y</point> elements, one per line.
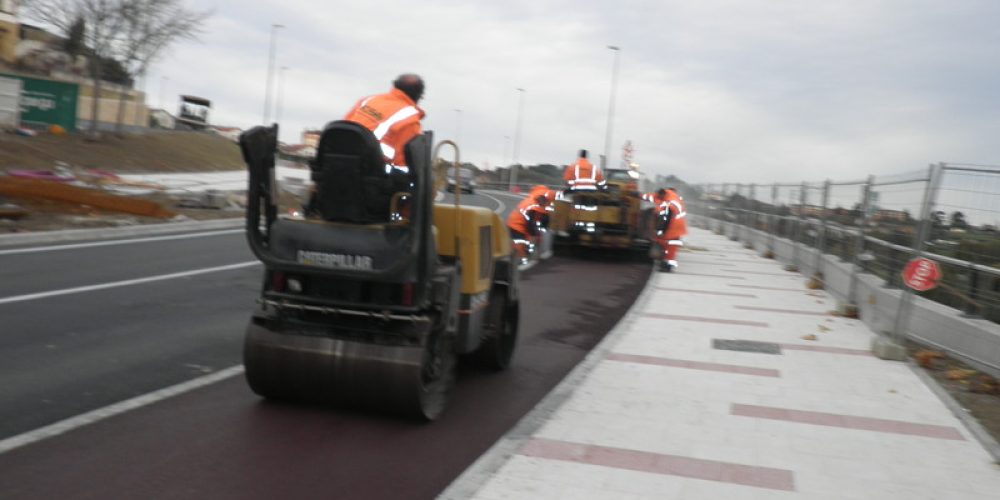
<point>582,175</point>
<point>525,222</point>
<point>393,117</point>
<point>671,226</point>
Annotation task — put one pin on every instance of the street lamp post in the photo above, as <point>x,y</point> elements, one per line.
<point>611,108</point>
<point>517,140</point>
<point>270,72</point>
<point>281,94</point>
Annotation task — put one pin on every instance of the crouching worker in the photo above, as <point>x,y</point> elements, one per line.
<point>671,226</point>
<point>525,222</point>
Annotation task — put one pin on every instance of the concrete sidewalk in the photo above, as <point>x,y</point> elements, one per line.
<point>663,408</point>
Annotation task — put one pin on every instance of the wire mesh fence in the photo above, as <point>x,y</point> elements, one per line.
<point>948,212</point>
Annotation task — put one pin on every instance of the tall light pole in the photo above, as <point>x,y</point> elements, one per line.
<point>270,72</point>
<point>517,140</point>
<point>611,108</point>
<point>281,93</point>
<point>506,146</point>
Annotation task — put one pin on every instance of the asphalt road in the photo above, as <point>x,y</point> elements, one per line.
<point>67,354</point>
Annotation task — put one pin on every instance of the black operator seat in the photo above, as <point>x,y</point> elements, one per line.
<point>352,182</point>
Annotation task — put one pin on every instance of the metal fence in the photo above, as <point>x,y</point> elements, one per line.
<point>949,213</point>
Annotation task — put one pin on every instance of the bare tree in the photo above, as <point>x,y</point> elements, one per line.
<point>148,30</point>
<point>102,22</point>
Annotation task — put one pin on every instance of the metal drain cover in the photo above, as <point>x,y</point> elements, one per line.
<point>747,346</point>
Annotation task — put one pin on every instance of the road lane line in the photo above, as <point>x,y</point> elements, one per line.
<point>69,424</point>
<point>114,284</point>
<point>501,206</point>
<point>53,248</point>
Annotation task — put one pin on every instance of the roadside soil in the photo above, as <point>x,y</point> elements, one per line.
<point>160,151</point>
<point>977,392</point>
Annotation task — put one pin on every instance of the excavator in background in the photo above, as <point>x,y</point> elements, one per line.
<point>615,217</point>
<point>369,301</point>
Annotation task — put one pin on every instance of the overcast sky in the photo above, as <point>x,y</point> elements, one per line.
<point>709,90</point>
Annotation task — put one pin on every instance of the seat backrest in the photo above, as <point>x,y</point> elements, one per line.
<point>349,171</point>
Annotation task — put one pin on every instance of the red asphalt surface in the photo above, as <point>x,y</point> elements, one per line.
<point>223,442</point>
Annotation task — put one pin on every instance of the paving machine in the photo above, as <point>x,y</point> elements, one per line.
<point>369,300</point>
<point>615,216</point>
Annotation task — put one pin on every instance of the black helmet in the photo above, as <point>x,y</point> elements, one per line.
<point>583,153</point>
<point>411,84</point>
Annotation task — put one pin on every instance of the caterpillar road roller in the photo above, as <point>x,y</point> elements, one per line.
<point>371,298</point>
<point>614,217</point>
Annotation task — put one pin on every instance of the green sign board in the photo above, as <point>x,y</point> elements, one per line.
<point>46,102</point>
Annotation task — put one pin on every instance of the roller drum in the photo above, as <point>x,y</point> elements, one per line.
<point>410,380</point>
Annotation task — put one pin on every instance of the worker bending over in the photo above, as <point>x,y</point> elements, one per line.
<point>526,222</point>
<point>671,225</point>
<point>583,175</point>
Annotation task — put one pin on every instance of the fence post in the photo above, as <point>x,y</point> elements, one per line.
<point>971,308</point>
<point>797,234</point>
<point>740,214</point>
<point>821,238</point>
<point>754,215</point>
<point>772,223</point>
<point>926,207</point>
<point>857,264</point>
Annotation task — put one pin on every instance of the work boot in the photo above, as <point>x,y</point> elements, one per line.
<point>664,267</point>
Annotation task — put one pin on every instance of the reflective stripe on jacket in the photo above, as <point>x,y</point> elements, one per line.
<point>523,218</point>
<point>582,174</point>
<point>394,119</point>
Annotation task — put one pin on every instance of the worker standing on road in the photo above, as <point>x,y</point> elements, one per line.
<point>671,226</point>
<point>393,117</point>
<point>524,223</point>
<point>583,175</point>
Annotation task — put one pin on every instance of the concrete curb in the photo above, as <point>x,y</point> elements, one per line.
<point>971,424</point>
<point>476,475</point>
<point>16,239</point>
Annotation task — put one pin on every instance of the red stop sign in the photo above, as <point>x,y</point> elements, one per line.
<point>921,274</point>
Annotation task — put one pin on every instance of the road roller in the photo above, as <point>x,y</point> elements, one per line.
<point>371,298</point>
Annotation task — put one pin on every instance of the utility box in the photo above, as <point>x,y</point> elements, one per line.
<point>10,102</point>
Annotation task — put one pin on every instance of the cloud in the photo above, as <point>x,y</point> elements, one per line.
<point>716,90</point>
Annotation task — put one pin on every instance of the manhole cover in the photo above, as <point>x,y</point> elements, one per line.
<point>747,346</point>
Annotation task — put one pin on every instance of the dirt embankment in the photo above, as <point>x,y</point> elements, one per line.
<point>147,152</point>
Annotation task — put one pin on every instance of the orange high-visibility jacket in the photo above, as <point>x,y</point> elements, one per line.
<point>582,174</point>
<point>394,119</point>
<point>541,189</point>
<point>525,215</point>
<point>678,221</point>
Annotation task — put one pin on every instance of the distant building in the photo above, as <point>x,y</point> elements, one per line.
<point>885,215</point>
<point>231,133</point>
<point>310,137</point>
<point>10,31</point>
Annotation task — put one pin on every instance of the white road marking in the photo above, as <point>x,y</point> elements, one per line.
<point>72,246</point>
<point>114,284</point>
<point>501,206</point>
<point>69,424</point>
